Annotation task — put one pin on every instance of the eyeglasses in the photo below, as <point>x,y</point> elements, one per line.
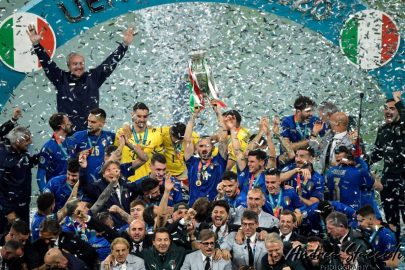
<point>248,224</point>
<point>207,244</point>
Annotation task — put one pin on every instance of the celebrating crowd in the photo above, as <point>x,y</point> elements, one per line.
<point>297,194</point>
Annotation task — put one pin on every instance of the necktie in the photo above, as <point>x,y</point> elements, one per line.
<point>207,263</point>
<point>137,247</point>
<point>327,156</point>
<point>250,251</point>
<point>217,232</point>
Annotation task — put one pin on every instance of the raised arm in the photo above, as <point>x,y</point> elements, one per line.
<point>161,218</point>
<point>223,133</point>
<point>188,136</point>
<point>271,148</point>
<point>52,71</point>
<point>110,63</point>
<point>240,158</point>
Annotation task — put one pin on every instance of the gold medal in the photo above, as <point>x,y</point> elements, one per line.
<point>198,183</point>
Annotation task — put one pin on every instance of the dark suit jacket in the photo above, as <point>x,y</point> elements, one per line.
<point>69,242</point>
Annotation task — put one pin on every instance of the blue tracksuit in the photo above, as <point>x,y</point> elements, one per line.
<point>78,96</point>
<point>53,160</point>
<point>298,131</point>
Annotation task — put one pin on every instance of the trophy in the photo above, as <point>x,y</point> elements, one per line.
<point>202,85</point>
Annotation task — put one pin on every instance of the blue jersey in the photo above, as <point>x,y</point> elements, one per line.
<point>313,224</point>
<point>234,203</point>
<point>383,240</point>
<point>295,131</point>
<point>61,190</point>
<point>36,223</point>
<point>245,177</point>
<point>175,195</point>
<point>203,179</point>
<point>285,199</point>
<point>84,141</point>
<point>53,160</point>
<point>314,187</point>
<point>344,183</point>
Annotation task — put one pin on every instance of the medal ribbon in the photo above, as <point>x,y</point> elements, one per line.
<point>145,136</point>
<point>272,204</point>
<point>90,142</point>
<point>202,169</point>
<point>60,144</point>
<point>303,133</point>
<point>252,181</point>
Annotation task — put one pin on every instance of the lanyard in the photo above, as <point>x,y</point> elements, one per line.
<point>61,147</point>
<point>371,240</point>
<point>202,169</point>
<point>303,133</point>
<point>90,141</point>
<point>272,204</point>
<point>145,136</point>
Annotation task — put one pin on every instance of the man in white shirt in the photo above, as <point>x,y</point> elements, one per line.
<point>203,258</point>
<point>120,259</point>
<point>251,251</point>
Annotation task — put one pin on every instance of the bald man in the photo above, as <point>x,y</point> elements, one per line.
<point>336,136</point>
<point>62,260</point>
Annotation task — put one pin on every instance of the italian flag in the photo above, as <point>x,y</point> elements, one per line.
<point>369,39</point>
<point>15,45</point>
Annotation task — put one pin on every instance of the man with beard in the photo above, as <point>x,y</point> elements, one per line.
<point>158,170</point>
<point>297,128</point>
<point>389,146</point>
<point>140,134</point>
<point>56,151</point>
<point>301,175</point>
<point>228,190</point>
<point>78,90</point>
<point>61,260</point>
<point>93,142</point>
<point>61,186</point>
<point>15,177</point>
<point>204,171</point>
<point>163,254</point>
<point>252,250</point>
<point>204,257</point>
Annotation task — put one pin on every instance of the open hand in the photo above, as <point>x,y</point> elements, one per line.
<point>129,35</point>
<point>33,35</point>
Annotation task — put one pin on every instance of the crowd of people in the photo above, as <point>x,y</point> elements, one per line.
<point>297,194</point>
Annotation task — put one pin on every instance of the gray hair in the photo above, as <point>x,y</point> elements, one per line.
<point>273,238</point>
<point>337,219</point>
<point>18,134</point>
<point>328,108</point>
<point>72,54</point>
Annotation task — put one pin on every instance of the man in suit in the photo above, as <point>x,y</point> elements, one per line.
<point>56,258</point>
<point>255,203</point>
<point>51,235</point>
<point>203,258</point>
<point>251,251</point>
<point>120,257</point>
<point>291,239</point>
